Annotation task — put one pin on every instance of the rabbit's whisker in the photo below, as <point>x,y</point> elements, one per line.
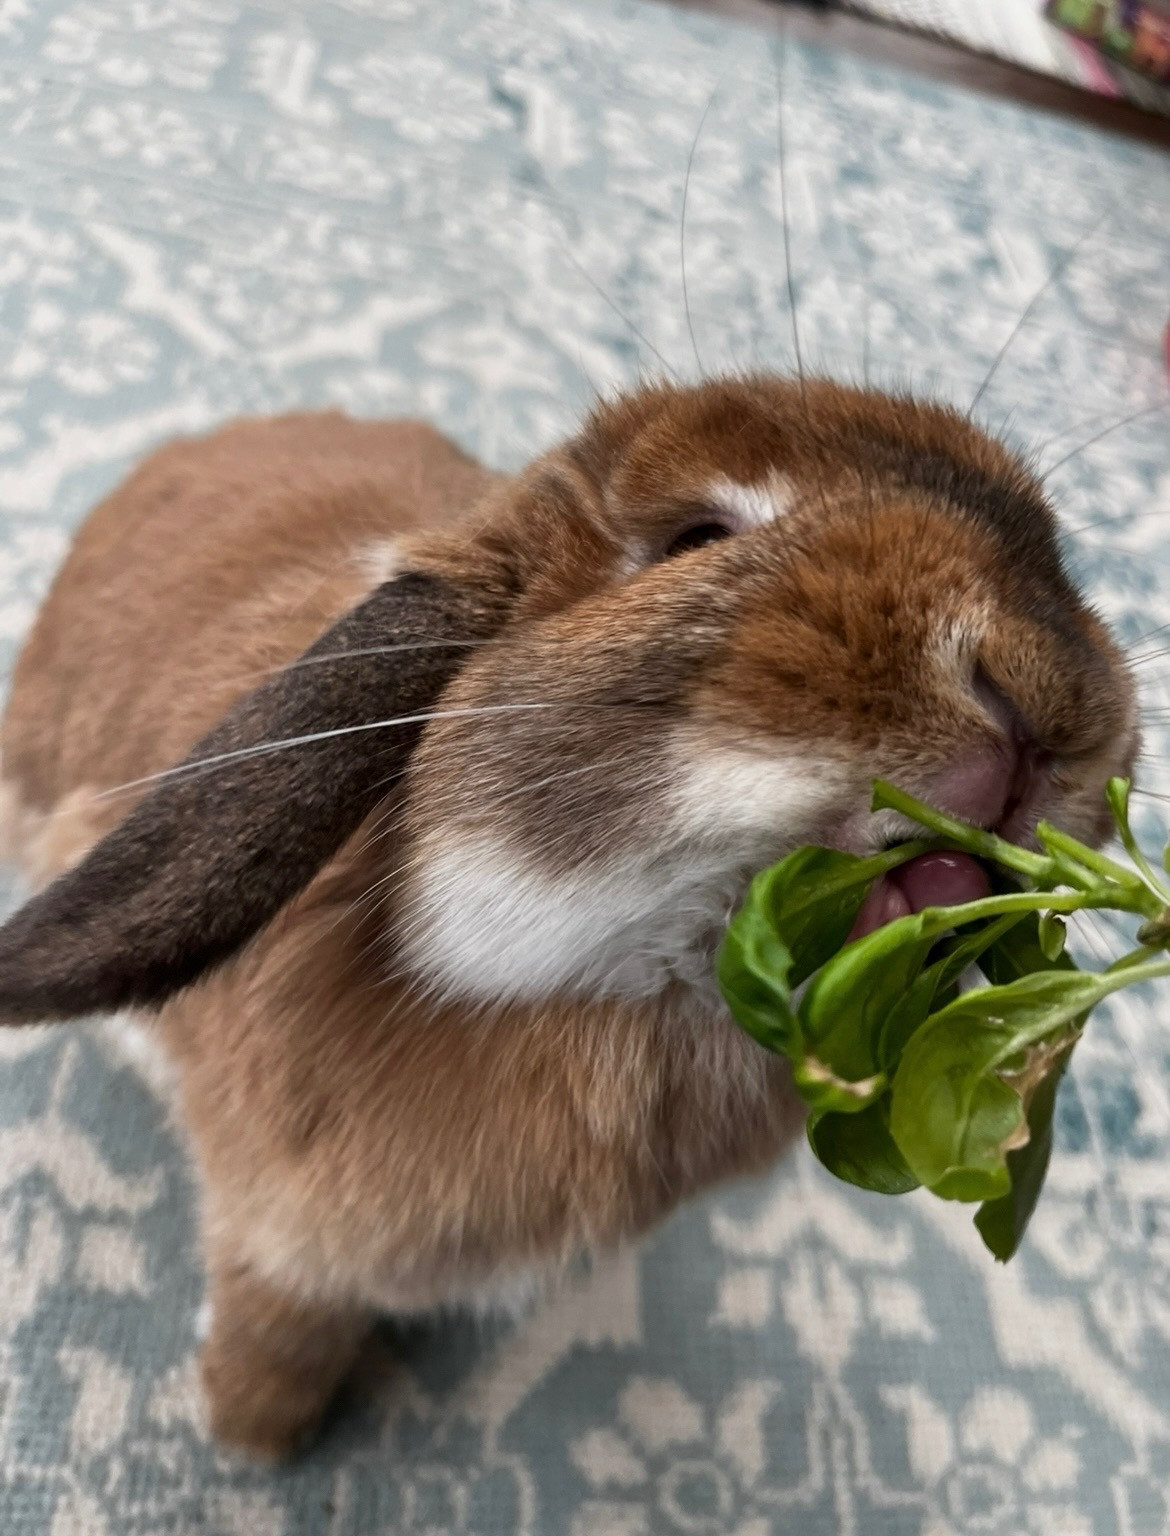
<point>375,890</point>
<point>1094,936</point>
<point>1054,276</point>
<point>1069,430</point>
<point>265,748</point>
<point>1114,426</point>
<point>1143,1073</point>
<point>682,224</point>
<point>780,59</point>
<point>260,749</point>
<point>634,330</point>
<point>371,650</point>
<point>779,65</point>
<point>1149,635</point>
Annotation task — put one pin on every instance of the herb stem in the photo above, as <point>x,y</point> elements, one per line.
<point>1117,795</point>
<point>1134,958</point>
<point>1069,854</point>
<point>1039,901</point>
<point>1151,882</point>
<point>973,840</point>
<point>1113,980</point>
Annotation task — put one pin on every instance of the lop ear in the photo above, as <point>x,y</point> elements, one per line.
<point>214,851</point>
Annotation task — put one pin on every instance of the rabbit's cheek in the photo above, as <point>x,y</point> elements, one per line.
<point>489,927</point>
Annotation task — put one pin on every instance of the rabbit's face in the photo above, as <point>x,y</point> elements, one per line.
<point>670,651</point>
<point>739,621</point>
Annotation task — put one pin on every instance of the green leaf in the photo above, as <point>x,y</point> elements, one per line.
<point>866,1002</point>
<point>813,896</point>
<point>859,1149</point>
<point>1003,1222</point>
<point>972,941</point>
<point>1051,935</point>
<point>936,985</point>
<point>960,1092</point>
<point>848,1002</point>
<point>753,969</point>
<point>823,1089</point>
<point>1018,952</point>
<point>796,914</point>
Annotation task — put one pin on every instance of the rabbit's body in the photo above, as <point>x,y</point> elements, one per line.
<point>360,1146</point>
<point>480,1036</point>
<point>220,560</point>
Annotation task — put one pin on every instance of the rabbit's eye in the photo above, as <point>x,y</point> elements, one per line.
<point>695,537</point>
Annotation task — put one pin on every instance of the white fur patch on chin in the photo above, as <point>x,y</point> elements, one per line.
<point>486,924</point>
<point>753,798</point>
<point>489,926</point>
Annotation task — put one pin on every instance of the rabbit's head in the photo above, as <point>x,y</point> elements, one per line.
<point>674,648</point>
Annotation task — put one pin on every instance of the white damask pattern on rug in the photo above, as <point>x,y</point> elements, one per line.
<point>210,207</point>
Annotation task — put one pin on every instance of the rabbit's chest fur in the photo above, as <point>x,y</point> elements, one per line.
<point>374,1138</point>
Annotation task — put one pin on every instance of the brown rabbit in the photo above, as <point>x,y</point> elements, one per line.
<point>473,770</point>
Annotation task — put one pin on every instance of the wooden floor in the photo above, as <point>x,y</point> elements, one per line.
<point>942,61</point>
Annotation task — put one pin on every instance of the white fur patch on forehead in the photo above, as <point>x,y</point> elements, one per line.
<point>381,561</point>
<point>751,506</point>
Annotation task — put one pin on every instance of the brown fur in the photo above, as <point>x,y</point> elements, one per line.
<point>220,559</point>
<point>364,1140</point>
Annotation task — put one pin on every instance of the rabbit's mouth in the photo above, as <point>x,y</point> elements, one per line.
<point>936,879</point>
<point>486,919</point>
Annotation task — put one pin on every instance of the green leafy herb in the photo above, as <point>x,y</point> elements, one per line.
<point>796,916</point>
<point>959,1098</point>
<point>860,1149</point>
<point>908,1080</point>
<point>1002,1222</point>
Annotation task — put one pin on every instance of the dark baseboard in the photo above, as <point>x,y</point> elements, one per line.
<point>817,21</point>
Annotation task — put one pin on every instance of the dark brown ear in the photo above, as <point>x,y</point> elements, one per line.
<point>214,851</point>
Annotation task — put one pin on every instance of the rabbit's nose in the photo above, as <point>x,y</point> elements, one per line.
<point>977,786</point>
<point>1000,782</point>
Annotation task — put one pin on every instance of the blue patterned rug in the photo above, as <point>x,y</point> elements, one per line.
<point>216,206</point>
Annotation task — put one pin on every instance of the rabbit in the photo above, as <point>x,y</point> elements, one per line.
<point>402,805</point>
